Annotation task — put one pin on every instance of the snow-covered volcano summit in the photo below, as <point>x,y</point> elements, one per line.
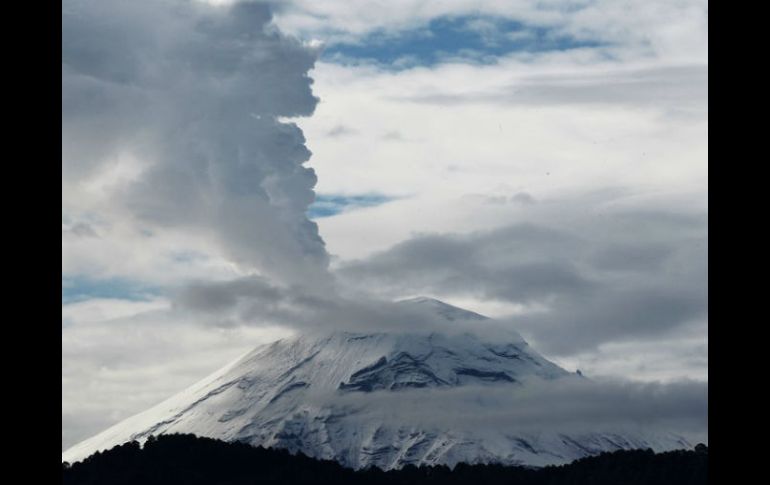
<point>384,399</point>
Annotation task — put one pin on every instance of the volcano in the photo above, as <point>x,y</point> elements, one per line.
<point>382,399</point>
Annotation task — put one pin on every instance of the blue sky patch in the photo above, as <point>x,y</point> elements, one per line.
<point>326,205</point>
<point>80,288</point>
<point>480,39</point>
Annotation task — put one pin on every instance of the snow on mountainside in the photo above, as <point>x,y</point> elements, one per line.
<point>375,399</point>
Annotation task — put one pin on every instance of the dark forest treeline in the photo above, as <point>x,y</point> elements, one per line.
<point>190,460</point>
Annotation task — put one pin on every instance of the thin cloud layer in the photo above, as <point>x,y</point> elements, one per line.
<point>569,405</point>
<point>255,302</point>
<point>684,88</point>
<point>173,111</point>
<point>582,277</point>
<point>649,27</point>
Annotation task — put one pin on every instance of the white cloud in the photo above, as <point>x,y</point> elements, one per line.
<point>632,130</point>
<point>674,30</point>
<point>120,357</point>
<point>682,355</point>
<point>179,163</point>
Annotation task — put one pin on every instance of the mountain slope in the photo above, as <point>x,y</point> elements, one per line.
<point>379,399</point>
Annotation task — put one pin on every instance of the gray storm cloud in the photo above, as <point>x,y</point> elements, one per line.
<point>196,94</point>
<point>585,277</point>
<point>255,301</point>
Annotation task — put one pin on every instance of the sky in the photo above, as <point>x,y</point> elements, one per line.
<point>236,172</point>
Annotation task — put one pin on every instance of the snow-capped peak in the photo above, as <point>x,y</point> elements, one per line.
<point>381,398</point>
<point>450,312</point>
